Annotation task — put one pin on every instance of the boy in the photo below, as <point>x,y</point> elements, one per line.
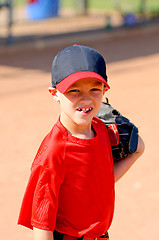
<point>70,193</point>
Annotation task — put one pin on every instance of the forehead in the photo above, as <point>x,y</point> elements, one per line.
<point>88,81</point>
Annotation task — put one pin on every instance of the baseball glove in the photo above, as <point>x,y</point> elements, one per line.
<point>122,133</point>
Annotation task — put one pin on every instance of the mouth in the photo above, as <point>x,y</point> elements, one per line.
<point>84,110</point>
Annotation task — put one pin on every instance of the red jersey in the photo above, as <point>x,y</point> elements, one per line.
<point>71,186</point>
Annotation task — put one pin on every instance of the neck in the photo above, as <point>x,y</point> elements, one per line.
<point>79,131</point>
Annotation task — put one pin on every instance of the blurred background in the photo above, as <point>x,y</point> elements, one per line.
<point>15,15</point>
<point>126,33</point>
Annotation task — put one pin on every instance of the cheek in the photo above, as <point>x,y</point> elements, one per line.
<point>98,100</point>
<point>66,105</point>
<point>98,97</point>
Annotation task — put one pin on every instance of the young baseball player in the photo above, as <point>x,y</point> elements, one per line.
<point>70,193</point>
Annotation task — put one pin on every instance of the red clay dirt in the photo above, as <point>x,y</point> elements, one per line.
<point>28,112</point>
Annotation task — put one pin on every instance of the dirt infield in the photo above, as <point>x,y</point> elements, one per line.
<point>28,112</point>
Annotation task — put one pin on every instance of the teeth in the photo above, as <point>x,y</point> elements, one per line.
<point>84,109</point>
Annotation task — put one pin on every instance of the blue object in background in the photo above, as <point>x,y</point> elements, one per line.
<point>41,9</point>
<point>130,19</point>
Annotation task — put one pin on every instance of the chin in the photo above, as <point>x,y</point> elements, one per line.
<point>83,122</point>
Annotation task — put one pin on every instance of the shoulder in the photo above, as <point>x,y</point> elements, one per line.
<point>96,122</point>
<point>52,147</point>
<point>99,127</point>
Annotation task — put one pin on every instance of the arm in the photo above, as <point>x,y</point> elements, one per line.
<point>122,166</point>
<point>42,234</point>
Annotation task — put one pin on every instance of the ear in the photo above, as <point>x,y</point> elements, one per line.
<point>53,92</point>
<point>104,89</point>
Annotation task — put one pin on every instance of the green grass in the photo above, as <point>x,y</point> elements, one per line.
<point>95,4</point>
<point>113,4</point>
<point>20,3</point>
<point>123,5</point>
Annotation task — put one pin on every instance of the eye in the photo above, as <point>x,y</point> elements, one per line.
<point>95,89</point>
<point>73,91</point>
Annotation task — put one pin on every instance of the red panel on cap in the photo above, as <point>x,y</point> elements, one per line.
<point>74,77</point>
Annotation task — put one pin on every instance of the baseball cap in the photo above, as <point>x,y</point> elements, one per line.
<point>77,62</point>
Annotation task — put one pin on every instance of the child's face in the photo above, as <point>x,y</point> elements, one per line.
<point>81,102</point>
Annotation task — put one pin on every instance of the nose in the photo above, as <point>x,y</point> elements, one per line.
<point>86,99</point>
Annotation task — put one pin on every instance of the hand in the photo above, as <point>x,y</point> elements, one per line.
<point>123,134</point>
